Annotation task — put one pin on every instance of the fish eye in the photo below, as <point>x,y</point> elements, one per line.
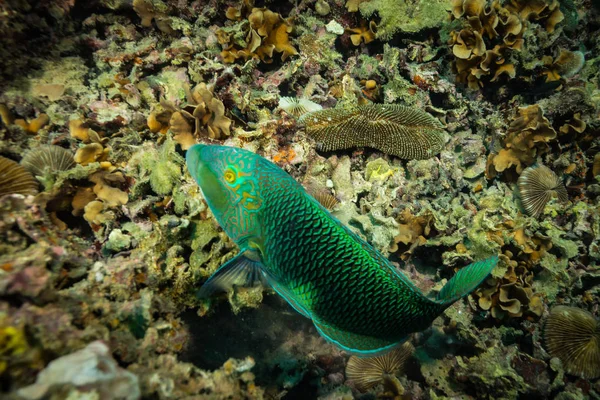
<point>229,176</point>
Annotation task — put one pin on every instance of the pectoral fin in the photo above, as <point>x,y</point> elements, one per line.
<point>242,270</point>
<point>360,345</point>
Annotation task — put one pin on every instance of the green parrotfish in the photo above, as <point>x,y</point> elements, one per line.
<point>287,239</point>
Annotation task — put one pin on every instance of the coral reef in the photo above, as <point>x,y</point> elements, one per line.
<point>91,369</point>
<point>492,35</point>
<point>437,121</point>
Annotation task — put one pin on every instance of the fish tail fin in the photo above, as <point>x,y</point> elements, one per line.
<point>466,280</point>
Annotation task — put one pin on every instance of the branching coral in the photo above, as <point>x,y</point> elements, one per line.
<point>398,130</point>
<point>527,137</point>
<point>263,33</point>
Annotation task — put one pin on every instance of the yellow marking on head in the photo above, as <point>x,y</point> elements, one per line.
<point>229,176</point>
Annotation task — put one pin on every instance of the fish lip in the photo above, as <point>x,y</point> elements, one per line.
<point>194,160</point>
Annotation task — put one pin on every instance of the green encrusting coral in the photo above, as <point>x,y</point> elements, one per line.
<point>406,16</point>
<point>114,246</point>
<point>401,131</point>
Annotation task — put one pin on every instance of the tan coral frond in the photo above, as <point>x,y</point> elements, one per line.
<point>93,152</point>
<point>405,132</point>
<point>537,185</point>
<point>369,372</point>
<point>363,33</point>
<point>15,179</point>
<point>596,165</point>
<point>528,135</point>
<point>574,126</point>
<point>47,158</point>
<point>573,336</point>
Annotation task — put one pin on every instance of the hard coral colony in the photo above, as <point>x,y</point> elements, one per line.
<point>419,180</point>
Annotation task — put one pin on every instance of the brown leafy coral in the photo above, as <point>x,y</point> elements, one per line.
<point>412,232</point>
<point>565,65</point>
<point>363,34</point>
<point>31,126</point>
<point>491,32</point>
<point>202,115</point>
<point>149,10</point>
<point>527,137</point>
<point>511,295</point>
<point>482,47</point>
<point>265,32</point>
<point>547,13</point>
<point>510,292</point>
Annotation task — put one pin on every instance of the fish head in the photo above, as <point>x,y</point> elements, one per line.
<point>228,180</point>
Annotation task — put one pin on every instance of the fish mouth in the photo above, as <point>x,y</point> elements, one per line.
<point>201,165</point>
<point>194,161</point>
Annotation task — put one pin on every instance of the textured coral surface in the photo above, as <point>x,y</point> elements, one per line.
<point>105,237</point>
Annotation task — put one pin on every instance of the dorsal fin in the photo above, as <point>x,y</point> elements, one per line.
<point>323,196</point>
